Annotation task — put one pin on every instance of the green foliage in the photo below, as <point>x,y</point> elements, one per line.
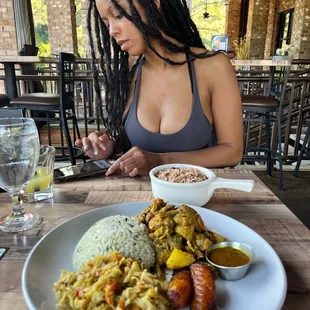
<point>78,14</point>
<point>80,40</point>
<point>39,11</point>
<point>42,33</point>
<point>241,48</point>
<point>79,29</point>
<point>44,49</point>
<point>41,27</point>
<point>214,24</point>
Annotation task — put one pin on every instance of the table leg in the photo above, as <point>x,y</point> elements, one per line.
<point>10,80</point>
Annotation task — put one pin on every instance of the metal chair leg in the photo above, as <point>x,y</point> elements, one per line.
<point>67,136</point>
<point>268,147</point>
<point>303,148</point>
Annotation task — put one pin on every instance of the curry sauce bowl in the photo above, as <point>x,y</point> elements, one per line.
<point>231,273</point>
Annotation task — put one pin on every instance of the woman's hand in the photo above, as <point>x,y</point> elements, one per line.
<point>136,161</point>
<point>97,145</point>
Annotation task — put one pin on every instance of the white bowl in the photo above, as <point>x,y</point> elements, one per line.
<point>197,194</point>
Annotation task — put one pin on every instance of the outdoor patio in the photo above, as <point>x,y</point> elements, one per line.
<point>45,56</point>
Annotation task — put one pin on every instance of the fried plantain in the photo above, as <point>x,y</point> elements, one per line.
<point>180,289</point>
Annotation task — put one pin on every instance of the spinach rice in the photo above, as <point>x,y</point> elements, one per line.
<point>115,233</point>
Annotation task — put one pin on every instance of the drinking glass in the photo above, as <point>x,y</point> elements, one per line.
<point>19,153</point>
<point>41,185</point>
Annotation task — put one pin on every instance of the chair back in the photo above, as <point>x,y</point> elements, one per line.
<point>66,75</point>
<point>10,112</point>
<point>278,83</point>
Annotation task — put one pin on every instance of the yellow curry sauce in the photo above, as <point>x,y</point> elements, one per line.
<point>228,257</point>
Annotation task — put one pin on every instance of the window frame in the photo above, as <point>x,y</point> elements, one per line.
<point>280,37</point>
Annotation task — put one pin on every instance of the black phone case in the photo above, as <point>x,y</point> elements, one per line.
<point>84,174</point>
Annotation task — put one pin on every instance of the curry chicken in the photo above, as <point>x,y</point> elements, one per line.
<point>180,228</point>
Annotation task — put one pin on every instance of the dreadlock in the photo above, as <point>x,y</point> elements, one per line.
<point>112,65</point>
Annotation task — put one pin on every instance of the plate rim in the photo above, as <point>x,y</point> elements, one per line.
<point>26,294</point>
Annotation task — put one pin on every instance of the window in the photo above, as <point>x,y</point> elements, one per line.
<point>285,28</point>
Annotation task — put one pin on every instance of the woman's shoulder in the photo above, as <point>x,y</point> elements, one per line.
<point>213,60</point>
<point>214,66</point>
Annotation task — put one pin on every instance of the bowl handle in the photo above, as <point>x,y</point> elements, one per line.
<point>241,185</point>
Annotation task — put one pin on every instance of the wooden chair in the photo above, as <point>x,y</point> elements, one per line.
<point>61,104</point>
<point>267,110</point>
<point>304,149</point>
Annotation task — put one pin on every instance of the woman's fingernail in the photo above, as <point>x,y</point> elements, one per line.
<point>107,173</point>
<point>102,147</point>
<point>85,147</point>
<point>95,153</point>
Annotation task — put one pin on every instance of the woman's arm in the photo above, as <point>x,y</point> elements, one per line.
<point>227,118</point>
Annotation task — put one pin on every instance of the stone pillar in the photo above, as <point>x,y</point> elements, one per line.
<point>301,29</point>
<point>233,21</point>
<point>8,39</point>
<point>270,28</point>
<point>257,27</point>
<point>284,5</point>
<point>62,26</point>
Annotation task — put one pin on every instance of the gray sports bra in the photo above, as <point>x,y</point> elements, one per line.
<point>195,135</point>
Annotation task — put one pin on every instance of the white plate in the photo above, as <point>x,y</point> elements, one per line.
<point>264,287</point>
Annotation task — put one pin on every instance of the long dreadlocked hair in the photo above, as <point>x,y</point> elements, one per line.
<point>172,18</point>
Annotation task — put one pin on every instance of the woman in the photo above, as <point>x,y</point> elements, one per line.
<point>172,101</point>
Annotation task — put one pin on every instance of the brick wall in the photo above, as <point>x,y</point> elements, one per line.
<point>62,26</point>
<point>233,21</point>
<point>257,27</point>
<point>8,40</point>
<point>280,6</point>
<point>285,5</point>
<point>263,23</point>
<point>301,29</point>
<point>270,35</point>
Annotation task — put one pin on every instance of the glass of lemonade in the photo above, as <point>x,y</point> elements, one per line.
<point>41,185</point>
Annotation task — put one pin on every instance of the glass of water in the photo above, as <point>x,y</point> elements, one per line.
<point>19,154</point>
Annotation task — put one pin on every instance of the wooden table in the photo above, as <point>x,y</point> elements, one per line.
<point>9,71</point>
<point>260,210</point>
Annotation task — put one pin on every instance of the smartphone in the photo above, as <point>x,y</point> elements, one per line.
<point>81,170</point>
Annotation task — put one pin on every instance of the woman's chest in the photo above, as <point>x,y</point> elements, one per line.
<point>165,94</point>
<point>164,102</point>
